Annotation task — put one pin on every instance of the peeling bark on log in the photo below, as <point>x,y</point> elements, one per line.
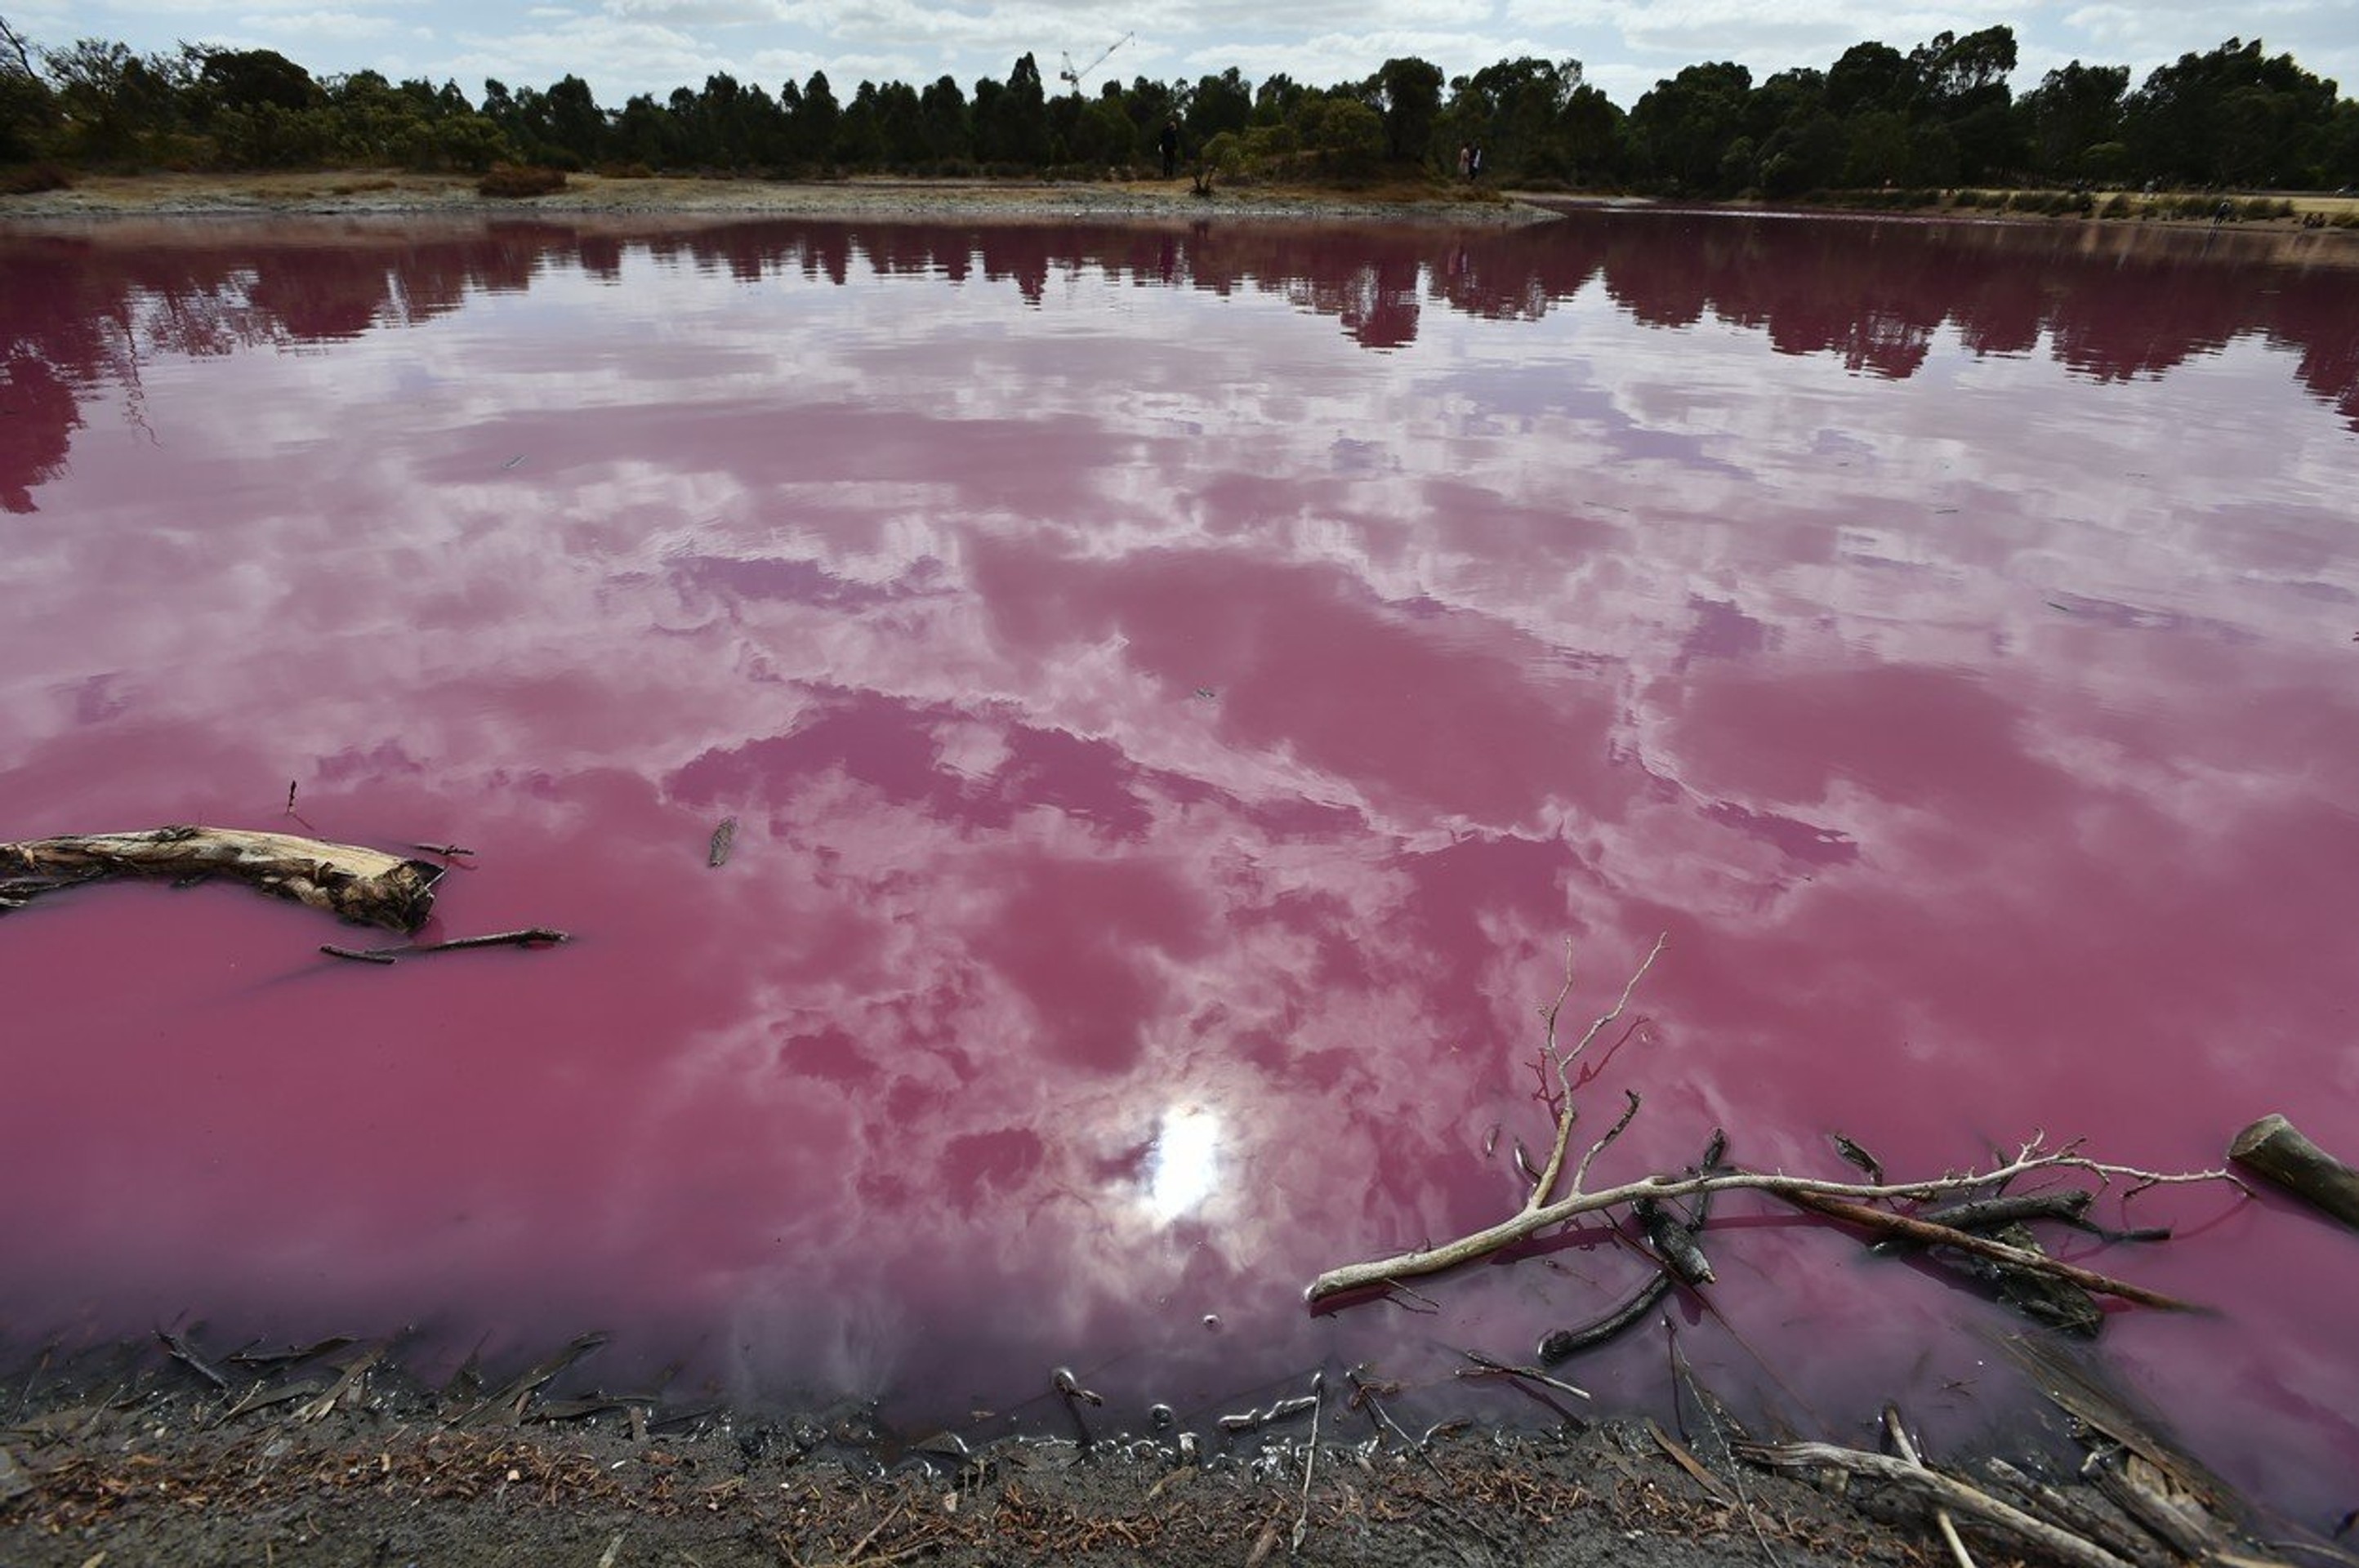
<point>2271,1148</point>
<point>367,887</point>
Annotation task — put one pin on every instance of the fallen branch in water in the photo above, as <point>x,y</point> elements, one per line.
<point>534,936</point>
<point>1562,1345</point>
<point>1546,1208</point>
<point>2273,1148</point>
<point>1933,1235</point>
<point>1941,1490</point>
<point>367,887</point>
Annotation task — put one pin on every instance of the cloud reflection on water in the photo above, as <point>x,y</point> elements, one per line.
<point>1148,711</point>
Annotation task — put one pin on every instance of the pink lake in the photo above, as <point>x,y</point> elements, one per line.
<point>1180,689</point>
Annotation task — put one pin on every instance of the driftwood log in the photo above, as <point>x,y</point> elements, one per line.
<point>2271,1148</point>
<point>367,887</point>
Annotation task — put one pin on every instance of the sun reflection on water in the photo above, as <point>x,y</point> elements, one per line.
<point>1183,1166</point>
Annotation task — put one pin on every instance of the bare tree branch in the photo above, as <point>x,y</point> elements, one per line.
<point>1544,1189</point>
<point>1543,1211</point>
<point>17,46</point>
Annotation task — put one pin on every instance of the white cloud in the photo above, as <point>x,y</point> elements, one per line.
<point>325,25</point>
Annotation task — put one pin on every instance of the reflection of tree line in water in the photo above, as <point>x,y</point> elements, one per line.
<point>77,316</point>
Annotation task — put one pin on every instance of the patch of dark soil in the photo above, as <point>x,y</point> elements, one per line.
<point>105,1464</point>
<point>334,1455</point>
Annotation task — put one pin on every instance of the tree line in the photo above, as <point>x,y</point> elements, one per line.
<point>1941,114</point>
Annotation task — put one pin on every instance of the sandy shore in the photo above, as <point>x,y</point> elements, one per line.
<point>366,193</point>
<point>348,193</point>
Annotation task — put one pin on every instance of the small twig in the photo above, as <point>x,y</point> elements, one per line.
<point>1580,1172</point>
<point>1562,1063</point>
<point>352,1375</point>
<point>531,936</point>
<point>534,936</point>
<point>1678,1453</point>
<point>186,1355</point>
<point>1942,1520</point>
<point>1704,1402</point>
<point>1425,1305</point>
<point>448,851</point>
<point>1853,1155</point>
<point>1309,1461</point>
<point>1365,1392</point>
<point>17,46</point>
<point>1281,1410</point>
<point>1493,1366</point>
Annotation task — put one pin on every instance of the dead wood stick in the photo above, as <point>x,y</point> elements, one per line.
<point>187,1355</point>
<point>1558,1345</point>
<point>506,1407</point>
<point>368,887</point>
<point>1942,1520</point>
<point>533,937</point>
<point>1933,1484</point>
<point>2272,1147</point>
<point>1491,1365</point>
<point>1981,1246</point>
<point>2182,1526</point>
<point>1562,1345</point>
<point>352,1374</point>
<point>1679,1454</point>
<point>261,1398</point>
<point>1529,1222</point>
<point>1991,1213</point>
<point>2113,1531</point>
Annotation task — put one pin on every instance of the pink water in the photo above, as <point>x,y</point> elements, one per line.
<point>1179,690</point>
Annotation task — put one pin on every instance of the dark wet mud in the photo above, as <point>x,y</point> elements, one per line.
<point>340,1456</point>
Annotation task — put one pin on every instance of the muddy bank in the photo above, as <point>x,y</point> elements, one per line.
<point>388,1472</point>
<point>336,1454</point>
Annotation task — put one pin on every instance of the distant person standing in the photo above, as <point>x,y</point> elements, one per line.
<point>1169,142</point>
<point>1475,167</point>
<point>1465,161</point>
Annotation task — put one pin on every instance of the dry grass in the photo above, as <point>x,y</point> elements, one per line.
<point>515,181</point>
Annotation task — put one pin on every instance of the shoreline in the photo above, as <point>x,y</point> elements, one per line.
<point>336,1454</point>
<point>342,1457</point>
<point>374,193</point>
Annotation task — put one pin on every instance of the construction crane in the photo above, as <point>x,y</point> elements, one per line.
<point>1073,77</point>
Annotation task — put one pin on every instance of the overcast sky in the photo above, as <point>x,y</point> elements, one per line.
<point>622,46</point>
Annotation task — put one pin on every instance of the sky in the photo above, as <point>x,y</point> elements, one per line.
<point>623,46</point>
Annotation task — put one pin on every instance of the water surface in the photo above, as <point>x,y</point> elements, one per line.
<point>1180,690</point>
